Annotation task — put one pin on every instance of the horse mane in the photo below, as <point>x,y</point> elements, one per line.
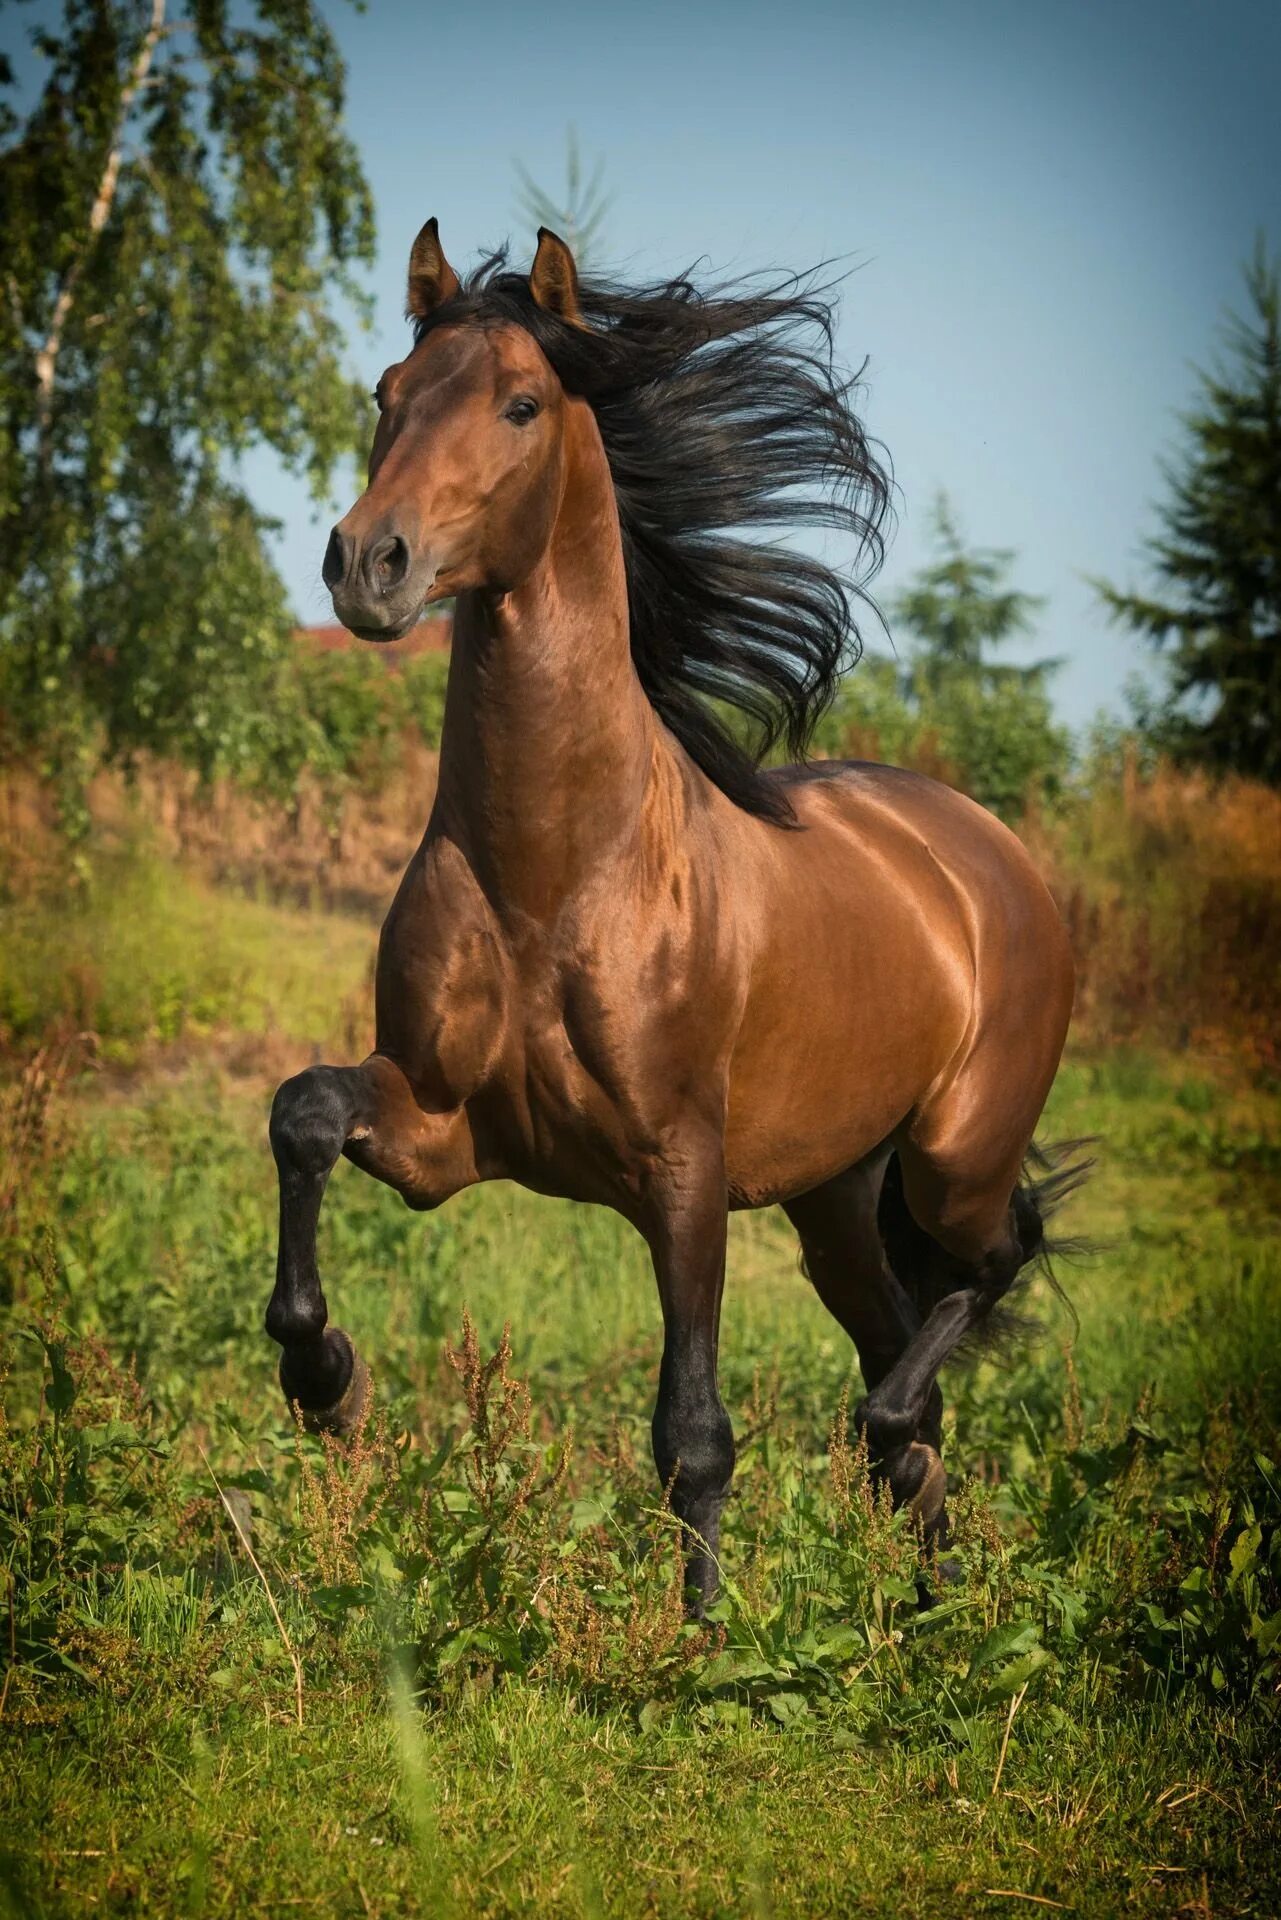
<point>721,410</point>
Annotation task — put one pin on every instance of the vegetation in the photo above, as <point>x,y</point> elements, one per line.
<point>447,1669</point>
<point>1217,609</point>
<point>1170,882</point>
<point>949,709</point>
<point>182,211</point>
<point>578,215</point>
<point>497,1702</point>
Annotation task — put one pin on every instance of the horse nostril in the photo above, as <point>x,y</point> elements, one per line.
<point>333,570</point>
<point>388,564</point>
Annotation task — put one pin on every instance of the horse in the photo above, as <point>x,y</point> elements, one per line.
<point>631,962</point>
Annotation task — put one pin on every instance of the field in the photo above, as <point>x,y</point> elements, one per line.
<point>446,1670</point>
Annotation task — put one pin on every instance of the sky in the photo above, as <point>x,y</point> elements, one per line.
<point>1047,207</point>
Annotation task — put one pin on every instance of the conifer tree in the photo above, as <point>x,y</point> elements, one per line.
<point>1215,613</point>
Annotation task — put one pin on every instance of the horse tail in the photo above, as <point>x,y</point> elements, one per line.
<point>1052,1172</point>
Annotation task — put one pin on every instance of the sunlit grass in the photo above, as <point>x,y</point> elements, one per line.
<point>150,1756</point>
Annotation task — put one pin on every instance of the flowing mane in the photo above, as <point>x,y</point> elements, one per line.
<point>721,410</point>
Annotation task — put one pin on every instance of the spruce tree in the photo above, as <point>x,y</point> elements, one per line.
<point>1216,613</point>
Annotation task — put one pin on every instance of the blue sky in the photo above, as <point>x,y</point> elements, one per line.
<point>1050,204</point>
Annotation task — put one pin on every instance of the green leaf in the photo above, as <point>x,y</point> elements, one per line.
<point>1245,1551</point>
<point>731,1669</point>
<point>787,1708</point>
<point>1001,1644</point>
<point>1007,1680</point>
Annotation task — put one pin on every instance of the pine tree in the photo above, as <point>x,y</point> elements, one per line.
<point>1217,616</point>
<point>989,721</point>
<point>959,606</point>
<point>579,216</point>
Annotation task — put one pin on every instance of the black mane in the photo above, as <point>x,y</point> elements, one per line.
<point>721,410</point>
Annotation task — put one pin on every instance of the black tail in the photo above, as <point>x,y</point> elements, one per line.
<point>1051,1174</point>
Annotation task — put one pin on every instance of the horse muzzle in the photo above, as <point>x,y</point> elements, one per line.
<point>379,585</point>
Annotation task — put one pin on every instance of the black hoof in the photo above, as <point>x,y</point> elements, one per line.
<point>332,1396</point>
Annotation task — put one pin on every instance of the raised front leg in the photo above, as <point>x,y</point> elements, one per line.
<point>693,1439</point>
<point>369,1113</point>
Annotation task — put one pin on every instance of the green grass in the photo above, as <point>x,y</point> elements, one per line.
<point>140,953</point>
<point>502,1711</point>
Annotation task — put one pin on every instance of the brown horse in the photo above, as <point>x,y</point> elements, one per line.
<point>628,965</point>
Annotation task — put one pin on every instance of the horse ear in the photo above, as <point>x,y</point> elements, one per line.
<point>432,280</point>
<point>553,279</point>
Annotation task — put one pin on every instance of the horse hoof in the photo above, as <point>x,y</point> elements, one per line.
<point>923,1470</point>
<point>347,1414</point>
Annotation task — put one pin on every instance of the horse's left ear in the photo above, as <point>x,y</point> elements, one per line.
<point>553,278</point>
<point>432,280</point>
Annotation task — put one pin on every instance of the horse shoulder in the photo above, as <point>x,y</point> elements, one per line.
<point>445,984</point>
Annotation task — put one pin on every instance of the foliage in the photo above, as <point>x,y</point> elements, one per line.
<point>1217,609</point>
<point>948,710</point>
<point>139,955</point>
<point>960,606</point>
<point>1170,883</point>
<point>180,208</point>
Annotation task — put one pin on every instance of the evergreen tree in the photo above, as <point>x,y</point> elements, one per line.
<point>960,605</point>
<point>579,216</point>
<point>1217,613</point>
<point>989,721</point>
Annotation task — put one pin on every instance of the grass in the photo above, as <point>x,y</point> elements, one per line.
<point>141,954</point>
<point>502,1709</point>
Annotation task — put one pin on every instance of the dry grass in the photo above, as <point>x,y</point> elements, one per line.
<point>1170,882</point>
<point>1171,887</point>
<point>347,854</point>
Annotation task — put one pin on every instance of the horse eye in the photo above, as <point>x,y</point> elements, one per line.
<point>521,411</point>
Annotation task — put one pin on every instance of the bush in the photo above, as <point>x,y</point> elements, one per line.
<point>1171,886</point>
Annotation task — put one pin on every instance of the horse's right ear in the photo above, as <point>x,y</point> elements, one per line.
<point>432,280</point>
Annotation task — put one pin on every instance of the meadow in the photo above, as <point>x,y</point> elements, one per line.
<point>447,1669</point>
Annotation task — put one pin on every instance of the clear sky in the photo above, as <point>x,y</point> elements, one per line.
<point>1049,205</point>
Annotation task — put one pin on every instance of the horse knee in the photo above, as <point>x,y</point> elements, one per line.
<point>310,1118</point>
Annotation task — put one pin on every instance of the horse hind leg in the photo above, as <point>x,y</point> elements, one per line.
<point>958,1241</point>
<point>845,1259</point>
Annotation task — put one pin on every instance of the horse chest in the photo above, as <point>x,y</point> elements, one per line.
<point>522,1033</point>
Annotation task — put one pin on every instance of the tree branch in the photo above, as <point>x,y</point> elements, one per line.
<point>47,355</point>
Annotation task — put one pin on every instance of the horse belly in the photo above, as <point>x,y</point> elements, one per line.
<point>806,1102</point>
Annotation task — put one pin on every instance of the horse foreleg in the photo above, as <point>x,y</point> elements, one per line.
<point>369,1113</point>
<point>693,1439</point>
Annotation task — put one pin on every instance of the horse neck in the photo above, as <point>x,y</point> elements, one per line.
<point>548,736</point>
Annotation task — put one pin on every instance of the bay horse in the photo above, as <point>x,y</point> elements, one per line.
<point>630,964</point>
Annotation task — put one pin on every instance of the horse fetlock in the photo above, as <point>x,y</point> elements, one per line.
<point>328,1383</point>
<point>910,1465</point>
